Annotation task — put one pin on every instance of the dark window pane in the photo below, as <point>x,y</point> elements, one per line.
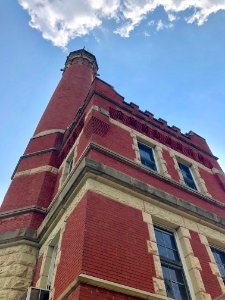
<point>169,241</point>
<point>168,283</point>
<point>147,157</point>
<point>188,179</point>
<point>220,260</point>
<point>180,292</point>
<point>162,252</point>
<point>159,237</point>
<point>176,275</point>
<point>173,255</point>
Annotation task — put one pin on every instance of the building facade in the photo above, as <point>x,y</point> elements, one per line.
<point>109,203</point>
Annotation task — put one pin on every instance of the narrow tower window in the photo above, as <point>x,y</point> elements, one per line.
<point>173,273</point>
<point>147,156</point>
<point>187,176</point>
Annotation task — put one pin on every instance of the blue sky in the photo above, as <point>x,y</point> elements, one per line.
<point>169,60</point>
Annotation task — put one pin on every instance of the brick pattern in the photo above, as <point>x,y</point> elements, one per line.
<point>115,246</point>
<point>27,220</point>
<point>210,281</point>
<point>72,247</point>
<point>86,292</point>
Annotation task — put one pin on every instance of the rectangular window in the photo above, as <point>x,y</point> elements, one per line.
<point>69,166</point>
<point>220,261</point>
<point>53,250</point>
<point>147,156</point>
<point>187,176</point>
<point>173,273</point>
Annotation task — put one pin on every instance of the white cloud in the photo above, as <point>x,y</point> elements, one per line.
<point>62,20</point>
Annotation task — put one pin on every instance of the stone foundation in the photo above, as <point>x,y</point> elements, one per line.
<point>17,265</point>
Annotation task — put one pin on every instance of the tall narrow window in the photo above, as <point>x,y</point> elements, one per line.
<point>51,272</point>
<point>187,176</point>
<point>147,156</point>
<point>69,166</point>
<point>173,273</point>
<point>220,261</point>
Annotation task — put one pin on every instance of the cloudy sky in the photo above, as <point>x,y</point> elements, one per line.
<point>167,56</point>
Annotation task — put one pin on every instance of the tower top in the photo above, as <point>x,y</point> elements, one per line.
<point>80,56</point>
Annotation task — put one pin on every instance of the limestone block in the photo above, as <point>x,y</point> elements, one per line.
<point>211,256</point>
<point>191,225</point>
<point>203,239</point>
<point>20,258</point>
<point>13,270</point>
<point>222,286</point>
<point>159,286</point>
<point>203,296</point>
<point>147,217</point>
<point>214,269</point>
<point>197,282</point>
<point>152,247</point>
<point>192,262</point>
<point>151,233</point>
<point>15,283</point>
<point>164,216</point>
<point>158,267</point>
<point>183,232</point>
<point>14,295</point>
<point>186,246</point>
<point>211,233</point>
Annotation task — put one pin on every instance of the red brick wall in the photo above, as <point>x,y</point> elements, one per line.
<point>209,279</point>
<point>170,166</point>
<point>26,220</point>
<point>213,185</point>
<point>86,292</point>
<point>44,142</point>
<point>71,249</point>
<point>115,245</point>
<point>48,158</point>
<point>34,189</point>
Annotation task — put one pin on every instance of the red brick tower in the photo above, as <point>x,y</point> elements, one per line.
<point>109,203</point>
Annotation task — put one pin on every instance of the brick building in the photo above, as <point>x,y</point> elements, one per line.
<point>109,203</point>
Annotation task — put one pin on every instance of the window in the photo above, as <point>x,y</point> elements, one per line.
<point>173,273</point>
<point>187,176</point>
<point>220,261</point>
<point>53,250</point>
<point>147,156</point>
<point>69,166</point>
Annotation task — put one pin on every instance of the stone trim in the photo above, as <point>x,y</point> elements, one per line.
<point>88,168</point>
<point>37,170</point>
<point>110,286</point>
<point>15,236</point>
<point>47,132</point>
<point>158,281</point>
<point>148,171</point>
<point>40,152</point>
<point>194,167</point>
<point>23,210</point>
<point>192,264</point>
<point>212,263</point>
